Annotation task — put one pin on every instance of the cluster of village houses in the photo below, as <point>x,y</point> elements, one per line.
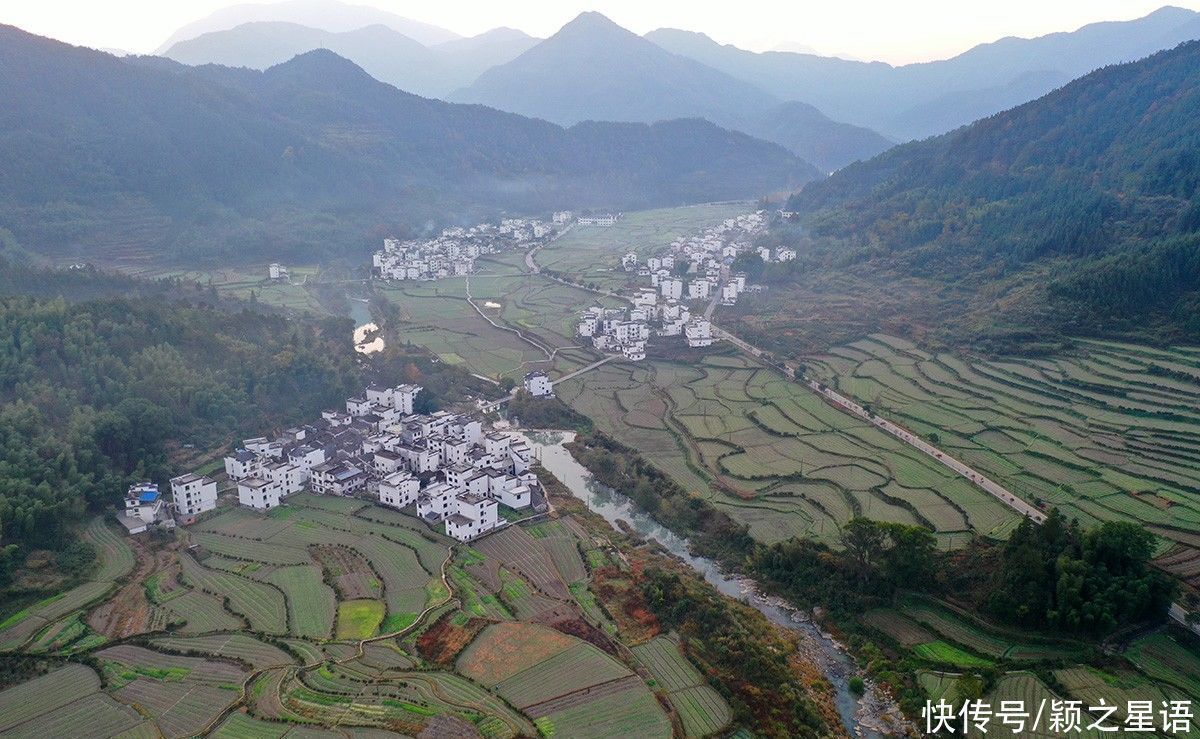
<point>662,307</point>
<point>454,251</point>
<point>443,466</point>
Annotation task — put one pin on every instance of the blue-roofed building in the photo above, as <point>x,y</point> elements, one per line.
<point>144,509</point>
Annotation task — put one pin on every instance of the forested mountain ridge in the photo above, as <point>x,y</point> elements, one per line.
<point>104,154</point>
<point>1097,184</point>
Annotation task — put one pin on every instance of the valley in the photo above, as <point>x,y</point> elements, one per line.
<point>365,378</point>
<point>352,615</point>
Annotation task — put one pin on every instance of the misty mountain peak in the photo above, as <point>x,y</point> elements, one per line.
<point>591,24</point>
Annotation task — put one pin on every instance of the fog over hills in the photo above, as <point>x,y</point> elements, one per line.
<point>385,54</point>
<point>593,69</point>
<point>325,15</point>
<point>829,111</point>
<point>918,100</point>
<point>313,152</point>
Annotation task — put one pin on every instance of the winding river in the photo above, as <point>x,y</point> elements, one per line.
<point>613,507</point>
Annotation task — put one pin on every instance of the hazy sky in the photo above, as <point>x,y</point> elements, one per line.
<point>890,30</point>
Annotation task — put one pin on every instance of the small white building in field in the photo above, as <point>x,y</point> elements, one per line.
<point>192,495</point>
<point>399,489</point>
<point>255,492</point>
<point>539,385</point>
<point>277,271</point>
<point>634,351</point>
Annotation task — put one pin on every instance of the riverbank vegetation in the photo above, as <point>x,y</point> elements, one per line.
<point>902,603</point>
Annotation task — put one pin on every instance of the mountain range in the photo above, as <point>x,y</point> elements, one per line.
<point>386,54</point>
<point>920,100</point>
<point>323,15</point>
<point>593,69</point>
<point>104,154</point>
<point>828,111</point>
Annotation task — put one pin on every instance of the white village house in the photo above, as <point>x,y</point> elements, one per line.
<point>422,463</point>
<point>192,495</point>
<point>538,384</point>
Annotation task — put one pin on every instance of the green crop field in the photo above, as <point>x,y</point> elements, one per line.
<point>980,637</point>
<point>1104,431</point>
<point>1166,658</point>
<point>359,619</point>
<point>948,654</point>
<point>263,605</point>
<point>114,553</point>
<point>310,602</point>
<point>247,649</point>
<point>796,466</point>
<point>592,254</point>
<point>633,712</point>
<point>701,709</point>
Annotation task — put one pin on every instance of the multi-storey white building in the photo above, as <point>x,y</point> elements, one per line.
<point>399,489</point>
<point>698,333</point>
<point>192,495</point>
<point>289,477</point>
<point>255,492</point>
<point>243,463</point>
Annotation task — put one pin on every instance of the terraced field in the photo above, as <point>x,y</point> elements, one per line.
<point>774,456</point>
<point>930,616</point>
<point>1105,432</point>
<point>402,551</point>
<point>702,710</point>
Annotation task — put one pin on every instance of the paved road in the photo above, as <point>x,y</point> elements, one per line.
<point>588,368</point>
<point>530,264</point>
<point>847,405</point>
<point>990,486</point>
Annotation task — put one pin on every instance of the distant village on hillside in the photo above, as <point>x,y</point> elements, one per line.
<point>441,467</point>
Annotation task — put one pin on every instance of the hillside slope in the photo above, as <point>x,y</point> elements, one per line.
<point>1079,211</point>
<point>103,154</point>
